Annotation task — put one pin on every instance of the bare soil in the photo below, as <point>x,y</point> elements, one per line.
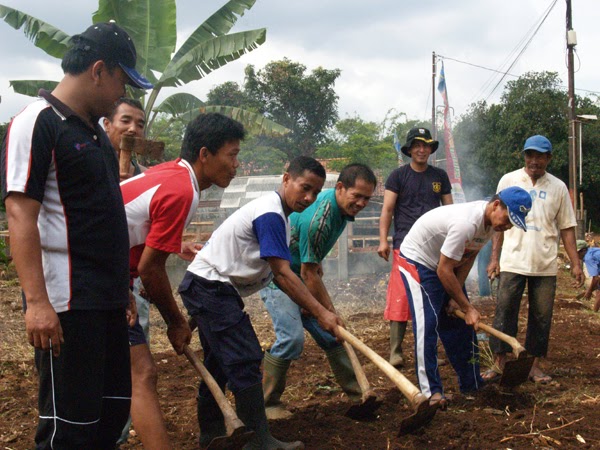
<point>562,414</point>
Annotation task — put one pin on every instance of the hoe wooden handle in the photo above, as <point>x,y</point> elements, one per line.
<point>358,370</point>
<point>231,419</point>
<point>409,390</point>
<point>516,346</point>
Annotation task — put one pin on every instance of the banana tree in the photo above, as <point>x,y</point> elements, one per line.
<point>153,28</point>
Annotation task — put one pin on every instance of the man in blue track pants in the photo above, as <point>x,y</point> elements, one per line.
<point>435,259</point>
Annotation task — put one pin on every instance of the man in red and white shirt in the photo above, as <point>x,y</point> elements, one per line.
<point>159,204</point>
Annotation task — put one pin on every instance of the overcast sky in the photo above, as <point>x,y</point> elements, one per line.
<point>383,47</point>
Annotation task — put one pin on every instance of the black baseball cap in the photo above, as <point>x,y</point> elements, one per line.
<point>112,43</point>
<point>419,134</point>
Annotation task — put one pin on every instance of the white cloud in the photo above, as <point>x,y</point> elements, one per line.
<point>383,47</point>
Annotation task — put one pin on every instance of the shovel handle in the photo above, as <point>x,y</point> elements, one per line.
<point>232,422</point>
<point>516,346</point>
<point>126,147</point>
<point>358,370</point>
<point>409,390</point>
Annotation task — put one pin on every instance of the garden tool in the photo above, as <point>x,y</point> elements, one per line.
<point>237,433</point>
<point>369,401</point>
<point>516,371</point>
<point>424,411</point>
<point>140,146</point>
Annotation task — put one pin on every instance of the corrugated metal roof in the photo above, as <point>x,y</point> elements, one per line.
<point>245,189</point>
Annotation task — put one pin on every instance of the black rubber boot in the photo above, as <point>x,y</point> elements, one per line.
<point>274,377</point>
<point>397,332</point>
<point>210,419</point>
<point>250,407</point>
<point>343,372</point>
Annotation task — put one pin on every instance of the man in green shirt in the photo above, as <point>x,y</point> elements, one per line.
<point>314,232</point>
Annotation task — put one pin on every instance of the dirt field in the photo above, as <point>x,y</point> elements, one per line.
<point>562,414</point>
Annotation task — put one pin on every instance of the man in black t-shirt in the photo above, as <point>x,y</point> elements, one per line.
<point>410,191</point>
<point>70,245</point>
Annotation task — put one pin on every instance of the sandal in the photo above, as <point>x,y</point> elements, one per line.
<point>542,378</point>
<point>491,376</point>
<point>441,402</point>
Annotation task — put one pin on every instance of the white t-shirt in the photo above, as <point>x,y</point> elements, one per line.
<point>456,231</point>
<point>534,253</point>
<point>237,251</point>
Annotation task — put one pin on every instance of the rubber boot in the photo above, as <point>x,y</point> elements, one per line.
<point>397,331</point>
<point>250,407</point>
<point>210,419</point>
<point>343,372</point>
<point>274,377</point>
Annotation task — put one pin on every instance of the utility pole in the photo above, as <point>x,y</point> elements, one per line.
<point>571,43</point>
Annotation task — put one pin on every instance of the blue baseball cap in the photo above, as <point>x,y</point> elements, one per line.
<point>112,43</point>
<point>518,203</point>
<point>538,143</point>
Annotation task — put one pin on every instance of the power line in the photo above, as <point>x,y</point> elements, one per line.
<point>524,48</point>
<point>475,65</point>
<point>479,66</point>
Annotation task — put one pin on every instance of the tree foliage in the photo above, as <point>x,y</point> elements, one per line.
<point>305,103</point>
<point>228,94</point>
<point>153,28</point>
<point>355,140</point>
<point>489,138</point>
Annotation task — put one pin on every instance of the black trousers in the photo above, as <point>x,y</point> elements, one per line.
<point>85,393</point>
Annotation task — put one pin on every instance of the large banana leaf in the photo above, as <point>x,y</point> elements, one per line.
<point>32,87</point>
<point>211,55</point>
<point>45,36</point>
<point>218,24</point>
<point>254,123</point>
<point>178,104</point>
<point>152,26</point>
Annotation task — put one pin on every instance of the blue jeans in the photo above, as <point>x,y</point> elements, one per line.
<point>289,324</point>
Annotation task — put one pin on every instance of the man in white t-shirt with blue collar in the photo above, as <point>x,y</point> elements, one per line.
<point>435,259</point>
<point>248,251</point>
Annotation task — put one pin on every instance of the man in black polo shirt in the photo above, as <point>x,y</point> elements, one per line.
<point>410,191</point>
<point>69,241</point>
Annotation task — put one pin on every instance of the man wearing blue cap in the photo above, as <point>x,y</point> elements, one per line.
<point>530,258</point>
<point>435,259</point>
<point>591,258</point>
<point>69,241</point>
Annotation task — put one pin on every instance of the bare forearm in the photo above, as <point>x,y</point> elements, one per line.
<point>317,288</point>
<point>462,271</point>
<point>453,286</point>
<point>568,238</point>
<point>298,292</point>
<point>385,221</point>
<point>157,285</point>
<point>497,240</point>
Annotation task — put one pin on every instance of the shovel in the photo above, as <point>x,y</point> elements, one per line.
<point>140,146</point>
<point>237,433</point>
<point>369,402</point>
<point>424,412</point>
<point>516,371</point>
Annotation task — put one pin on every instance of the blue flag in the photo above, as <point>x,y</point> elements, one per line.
<point>397,144</point>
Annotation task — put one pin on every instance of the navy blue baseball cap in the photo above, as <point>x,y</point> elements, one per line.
<point>112,43</point>
<point>538,143</point>
<point>518,203</point>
